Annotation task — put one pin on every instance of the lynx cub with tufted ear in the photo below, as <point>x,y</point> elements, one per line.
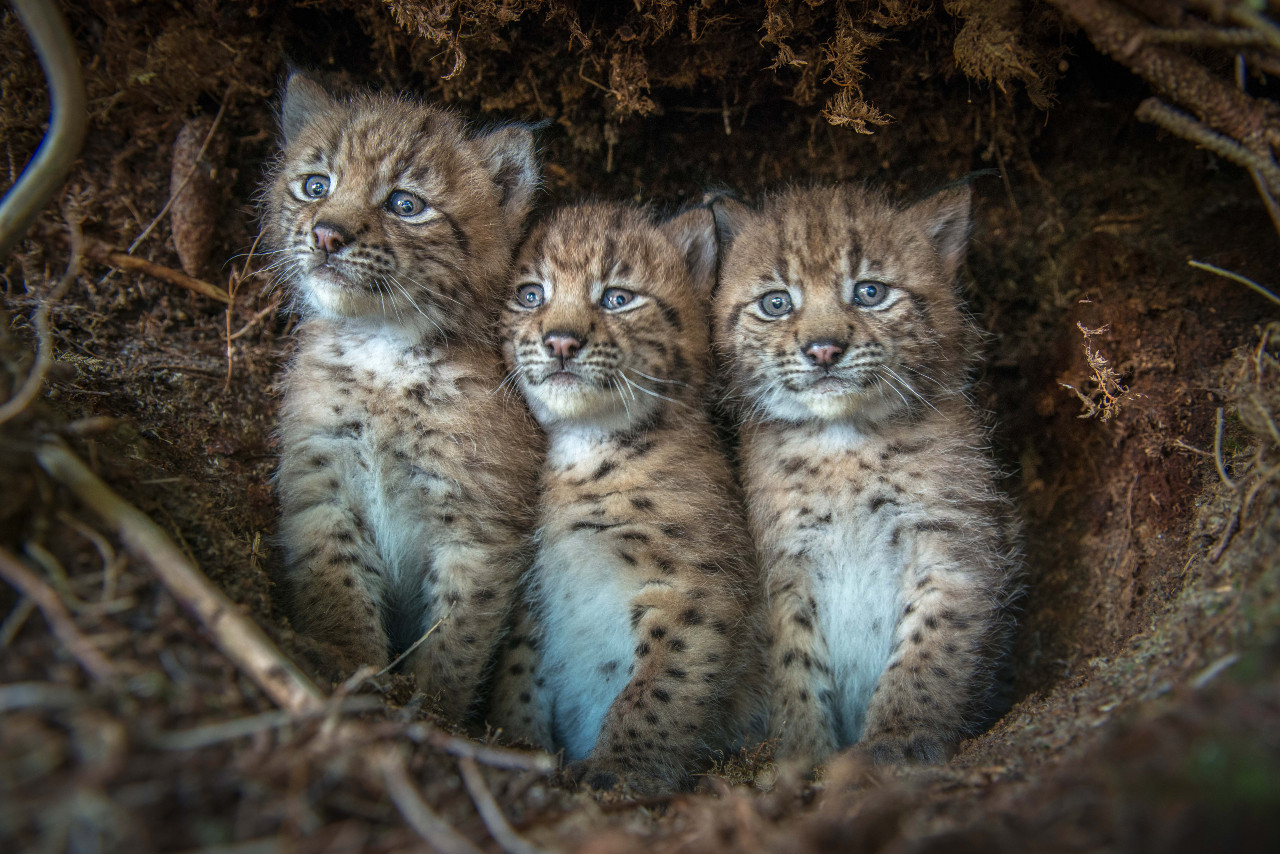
<point>635,637</point>
<point>406,483</point>
<point>882,537</point>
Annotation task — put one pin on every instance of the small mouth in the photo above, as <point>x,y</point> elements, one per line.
<point>830,385</point>
<point>563,377</point>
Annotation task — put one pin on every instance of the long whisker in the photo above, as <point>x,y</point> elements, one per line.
<point>657,380</point>
<point>649,392</point>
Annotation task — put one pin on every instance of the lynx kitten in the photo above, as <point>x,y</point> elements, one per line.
<point>871,498</point>
<point>635,636</point>
<point>404,480</point>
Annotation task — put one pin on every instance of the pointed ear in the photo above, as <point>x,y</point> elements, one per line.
<point>509,153</point>
<point>730,215</point>
<point>694,234</point>
<point>304,100</point>
<point>946,220</point>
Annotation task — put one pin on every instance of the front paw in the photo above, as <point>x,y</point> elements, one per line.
<point>926,748</point>
<point>607,776</point>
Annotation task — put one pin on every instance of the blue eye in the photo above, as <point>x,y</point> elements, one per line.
<point>616,298</point>
<point>405,204</point>
<point>867,294</point>
<point>315,186</point>
<point>776,304</point>
<point>530,295</point>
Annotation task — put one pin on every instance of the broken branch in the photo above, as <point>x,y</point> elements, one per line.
<point>55,613</point>
<point>104,254</point>
<point>238,636</point>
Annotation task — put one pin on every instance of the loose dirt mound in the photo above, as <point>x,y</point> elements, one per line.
<point>1135,402</point>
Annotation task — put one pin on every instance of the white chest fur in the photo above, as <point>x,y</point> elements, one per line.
<point>587,649</point>
<point>856,576</point>
<point>856,580</point>
<point>582,594</point>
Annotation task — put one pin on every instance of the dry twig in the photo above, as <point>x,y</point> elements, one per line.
<point>104,254</point>
<point>222,108</point>
<point>44,338</point>
<point>55,613</point>
<point>1236,277</point>
<point>422,818</point>
<point>487,754</point>
<point>490,813</point>
<point>238,636</point>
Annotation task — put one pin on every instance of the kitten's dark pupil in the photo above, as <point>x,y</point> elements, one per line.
<point>616,298</point>
<point>869,293</point>
<point>531,295</point>
<point>776,305</point>
<point>316,186</point>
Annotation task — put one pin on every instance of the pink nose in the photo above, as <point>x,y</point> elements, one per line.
<point>823,353</point>
<point>565,345</point>
<point>330,238</point>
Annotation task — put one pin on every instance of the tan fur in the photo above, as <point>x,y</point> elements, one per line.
<point>406,482</point>
<point>883,540</point>
<point>636,620</point>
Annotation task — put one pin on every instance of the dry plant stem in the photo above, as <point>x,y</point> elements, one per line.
<point>437,833</point>
<point>1268,198</point>
<point>1174,76</point>
<point>239,637</point>
<point>490,813</point>
<point>1154,111</point>
<point>14,622</point>
<point>1217,453</point>
<point>106,255</point>
<point>255,320</point>
<point>494,757</point>
<point>44,339</point>
<point>64,628</point>
<point>1235,277</point>
<point>213,128</point>
<point>402,656</point>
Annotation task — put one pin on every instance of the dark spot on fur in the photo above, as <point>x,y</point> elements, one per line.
<point>691,617</point>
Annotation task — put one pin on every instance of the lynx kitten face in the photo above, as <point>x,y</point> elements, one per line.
<point>842,306</point>
<point>603,326</point>
<point>388,210</point>
<point>395,226</point>
<point>882,538</point>
<point>636,628</point>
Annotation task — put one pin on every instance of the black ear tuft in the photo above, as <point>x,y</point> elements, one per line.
<point>513,163</point>
<point>303,101</point>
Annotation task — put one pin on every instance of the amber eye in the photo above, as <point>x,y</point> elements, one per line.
<point>776,304</point>
<point>530,295</point>
<point>867,294</point>
<point>315,186</point>
<point>616,298</point>
<point>406,205</point>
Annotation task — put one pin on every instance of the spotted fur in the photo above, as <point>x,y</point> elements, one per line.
<point>635,635</point>
<point>406,482</point>
<point>882,538</point>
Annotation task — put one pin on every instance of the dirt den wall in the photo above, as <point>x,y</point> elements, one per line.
<point>1145,707</point>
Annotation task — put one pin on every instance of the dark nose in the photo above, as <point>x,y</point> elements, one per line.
<point>563,344</point>
<point>823,353</point>
<point>330,237</point>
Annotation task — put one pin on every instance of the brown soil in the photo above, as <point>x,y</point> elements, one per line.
<point>1146,676</point>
